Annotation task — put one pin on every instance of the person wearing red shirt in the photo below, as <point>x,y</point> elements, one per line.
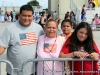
<point>90,3</point>
<point>82,37</point>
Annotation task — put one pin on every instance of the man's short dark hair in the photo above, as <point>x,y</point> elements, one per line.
<point>26,7</point>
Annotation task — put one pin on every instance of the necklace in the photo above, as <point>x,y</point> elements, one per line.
<point>46,45</point>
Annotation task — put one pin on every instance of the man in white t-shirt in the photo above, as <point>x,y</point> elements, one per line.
<point>20,40</point>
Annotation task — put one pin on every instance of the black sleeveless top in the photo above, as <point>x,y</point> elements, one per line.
<point>41,23</point>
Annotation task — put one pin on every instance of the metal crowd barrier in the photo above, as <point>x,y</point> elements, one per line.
<point>21,72</point>
<point>8,62</point>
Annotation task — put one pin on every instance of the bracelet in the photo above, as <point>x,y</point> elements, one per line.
<point>73,54</point>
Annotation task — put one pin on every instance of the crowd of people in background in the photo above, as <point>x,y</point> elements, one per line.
<point>8,16</point>
<point>47,16</point>
<point>95,21</point>
<point>13,16</point>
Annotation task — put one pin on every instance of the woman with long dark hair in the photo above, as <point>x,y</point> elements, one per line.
<point>81,45</point>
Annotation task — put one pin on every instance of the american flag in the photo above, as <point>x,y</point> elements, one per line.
<point>27,38</point>
<point>50,47</point>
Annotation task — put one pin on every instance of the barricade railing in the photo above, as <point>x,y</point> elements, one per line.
<point>7,62</point>
<point>11,67</point>
<point>21,72</point>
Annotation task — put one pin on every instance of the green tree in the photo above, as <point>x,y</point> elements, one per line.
<point>33,3</point>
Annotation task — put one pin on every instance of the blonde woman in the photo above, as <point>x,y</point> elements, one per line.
<point>49,46</point>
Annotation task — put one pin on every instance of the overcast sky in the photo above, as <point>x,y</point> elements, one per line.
<point>43,3</point>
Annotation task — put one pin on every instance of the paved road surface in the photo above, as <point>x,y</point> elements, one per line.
<point>3,25</point>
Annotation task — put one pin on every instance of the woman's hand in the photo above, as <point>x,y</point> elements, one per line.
<point>81,54</point>
<point>94,55</point>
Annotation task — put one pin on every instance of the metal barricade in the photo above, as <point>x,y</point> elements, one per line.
<point>8,62</point>
<point>21,72</point>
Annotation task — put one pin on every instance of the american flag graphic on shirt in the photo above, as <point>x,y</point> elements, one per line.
<point>48,47</point>
<point>27,38</point>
